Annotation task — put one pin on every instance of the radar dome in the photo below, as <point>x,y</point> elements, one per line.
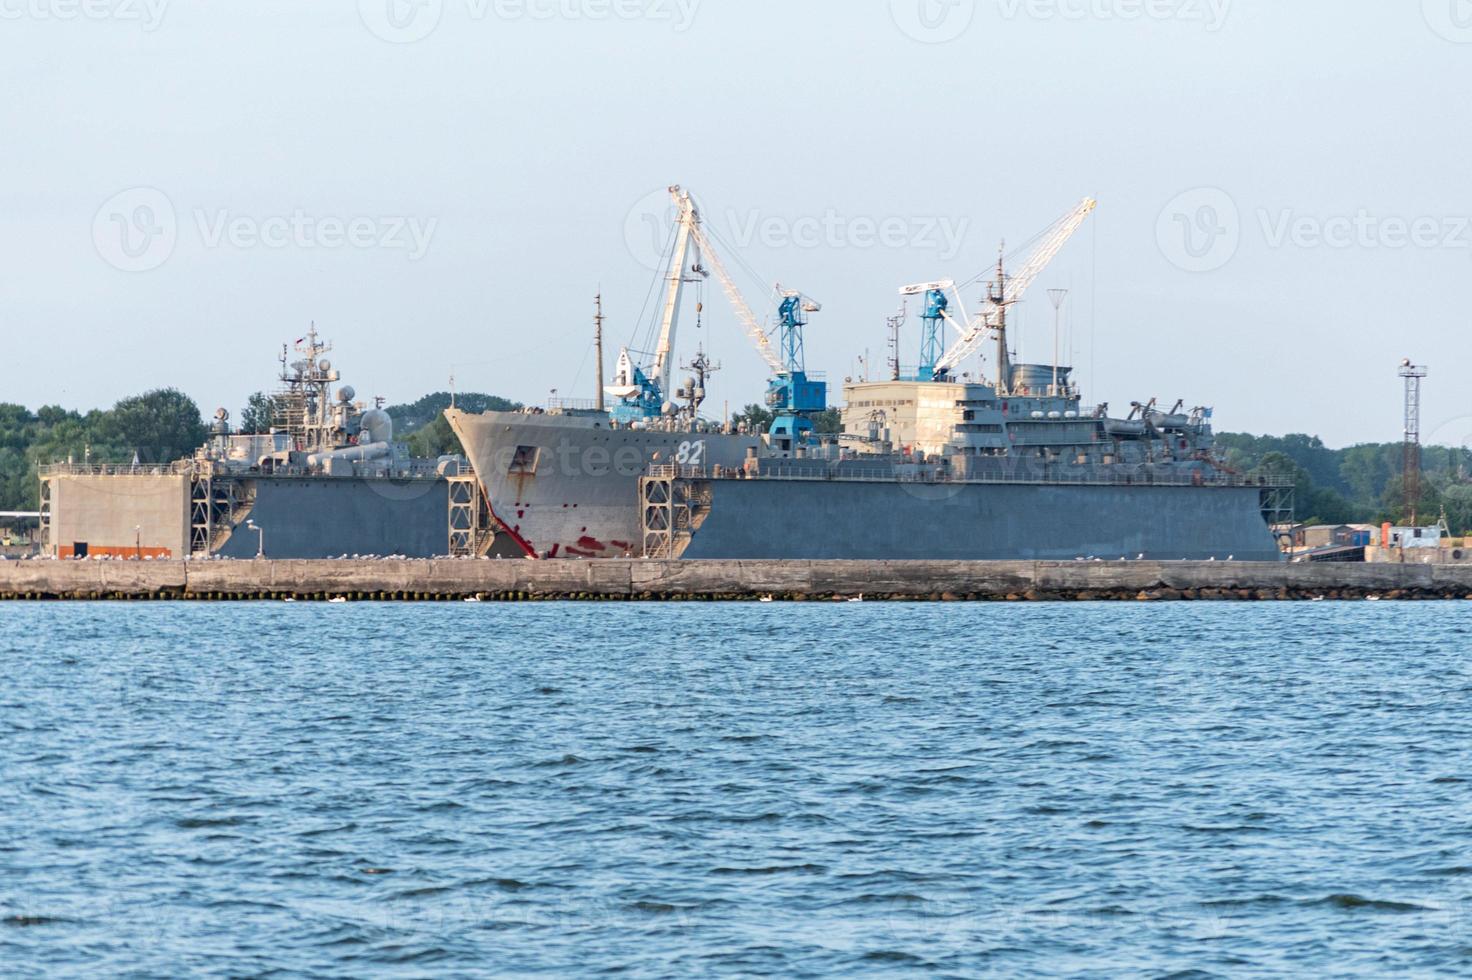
<point>346,393</point>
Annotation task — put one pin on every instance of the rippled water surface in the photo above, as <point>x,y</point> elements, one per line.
<point>689,789</point>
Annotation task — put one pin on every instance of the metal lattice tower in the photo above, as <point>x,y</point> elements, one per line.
<point>1411,460</point>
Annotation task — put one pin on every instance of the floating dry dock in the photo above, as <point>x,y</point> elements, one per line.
<point>799,580</point>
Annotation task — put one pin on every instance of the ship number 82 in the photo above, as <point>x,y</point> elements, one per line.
<point>691,453</point>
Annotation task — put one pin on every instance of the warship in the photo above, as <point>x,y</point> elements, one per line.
<point>326,481</point>
<point>932,463</point>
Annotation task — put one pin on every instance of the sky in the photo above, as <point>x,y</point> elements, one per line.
<point>443,185</point>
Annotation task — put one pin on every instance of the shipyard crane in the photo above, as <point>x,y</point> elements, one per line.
<point>642,394</point>
<point>937,305</point>
<point>792,311</point>
<point>1008,290</point>
<point>681,271</point>
<point>748,319</point>
<point>792,395</point>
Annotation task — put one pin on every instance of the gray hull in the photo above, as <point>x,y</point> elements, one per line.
<point>330,517</point>
<point>816,520</point>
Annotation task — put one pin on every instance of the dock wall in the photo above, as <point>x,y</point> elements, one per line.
<point>648,579</point>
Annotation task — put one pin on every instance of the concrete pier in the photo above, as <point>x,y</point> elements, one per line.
<point>713,580</point>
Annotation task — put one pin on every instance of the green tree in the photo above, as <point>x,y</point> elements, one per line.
<point>828,422</point>
<point>1312,503</point>
<point>1393,504</point>
<point>1367,468</point>
<point>434,439</point>
<point>259,414</point>
<point>413,416</point>
<point>1457,501</point>
<point>160,426</point>
<point>753,416</point>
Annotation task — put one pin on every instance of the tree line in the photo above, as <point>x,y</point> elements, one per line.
<point>165,425</point>
<point>158,426</point>
<point>1358,484</point>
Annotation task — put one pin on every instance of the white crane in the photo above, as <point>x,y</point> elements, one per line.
<point>692,249</point>
<point>941,286</point>
<point>1007,291</point>
<point>681,271</point>
<point>748,319</point>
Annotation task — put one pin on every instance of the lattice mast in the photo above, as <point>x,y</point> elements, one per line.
<point>1411,449</point>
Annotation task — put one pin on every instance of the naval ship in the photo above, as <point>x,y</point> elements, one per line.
<point>326,481</point>
<point>930,464</point>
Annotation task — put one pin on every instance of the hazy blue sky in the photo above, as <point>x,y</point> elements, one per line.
<point>1284,188</point>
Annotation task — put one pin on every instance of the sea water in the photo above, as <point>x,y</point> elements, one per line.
<point>689,789</point>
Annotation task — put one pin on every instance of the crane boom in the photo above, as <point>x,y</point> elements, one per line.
<point>688,224</point>
<point>990,318</point>
<point>748,319</point>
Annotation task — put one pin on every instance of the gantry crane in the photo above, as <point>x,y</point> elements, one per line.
<point>792,395</point>
<point>1003,292</point>
<point>936,311</point>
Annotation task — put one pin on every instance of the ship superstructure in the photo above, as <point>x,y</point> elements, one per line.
<point>326,480</point>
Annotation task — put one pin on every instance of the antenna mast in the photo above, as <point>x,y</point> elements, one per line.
<point>1411,459</point>
<point>1057,296</point>
<point>998,298</point>
<point>894,323</point>
<point>598,344</point>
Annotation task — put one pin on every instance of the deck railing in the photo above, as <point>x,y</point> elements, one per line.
<point>921,473</point>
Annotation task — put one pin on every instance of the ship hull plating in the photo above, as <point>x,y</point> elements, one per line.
<point>978,521</point>
<point>567,486</point>
<point>334,516</point>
